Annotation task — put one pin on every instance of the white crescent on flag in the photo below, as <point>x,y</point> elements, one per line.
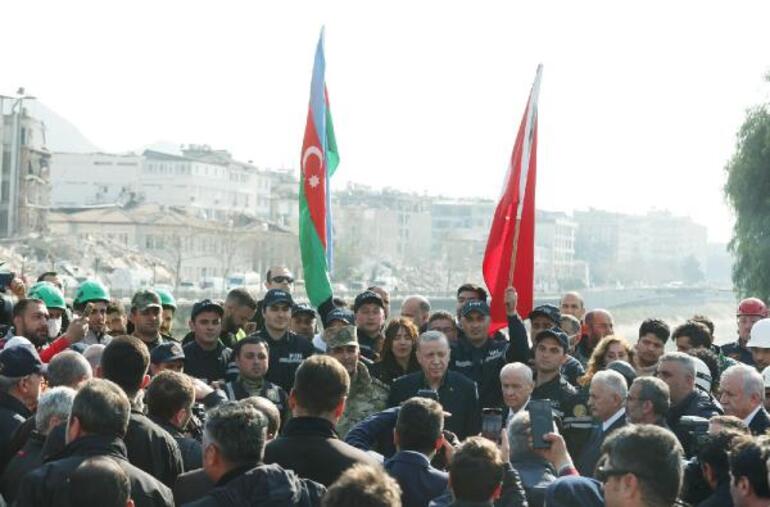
<point>313,179</point>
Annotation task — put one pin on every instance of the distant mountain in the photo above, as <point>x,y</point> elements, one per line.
<point>61,135</point>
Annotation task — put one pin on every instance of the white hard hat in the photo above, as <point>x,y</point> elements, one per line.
<point>702,375</point>
<point>766,376</point>
<point>19,341</point>
<point>760,334</point>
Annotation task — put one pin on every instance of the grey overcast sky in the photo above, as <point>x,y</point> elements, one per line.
<point>639,104</point>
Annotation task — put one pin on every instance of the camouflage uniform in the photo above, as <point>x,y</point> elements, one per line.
<point>368,395</point>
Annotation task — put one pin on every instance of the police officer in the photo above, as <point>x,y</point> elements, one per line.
<point>367,394</point>
<point>167,356</point>
<point>337,317</point>
<point>252,358</point>
<point>145,315</point>
<point>206,357</point>
<point>369,310</point>
<point>551,349</point>
<point>303,320</point>
<point>476,356</point>
<point>287,350</point>
<point>92,291</point>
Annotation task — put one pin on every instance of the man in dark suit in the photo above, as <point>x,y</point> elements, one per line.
<point>309,444</point>
<point>743,395</point>
<point>607,401</point>
<point>456,393</point>
<point>418,436</point>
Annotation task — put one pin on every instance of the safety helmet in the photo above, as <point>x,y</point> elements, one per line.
<point>91,290</point>
<point>752,306</point>
<point>760,335</point>
<point>166,298</point>
<point>49,294</point>
<point>703,378</point>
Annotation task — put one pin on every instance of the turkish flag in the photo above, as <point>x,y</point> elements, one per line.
<point>509,259</point>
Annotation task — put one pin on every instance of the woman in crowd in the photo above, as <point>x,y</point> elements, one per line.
<point>398,351</point>
<point>610,348</point>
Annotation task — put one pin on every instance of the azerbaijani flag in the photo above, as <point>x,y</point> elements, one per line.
<point>319,160</point>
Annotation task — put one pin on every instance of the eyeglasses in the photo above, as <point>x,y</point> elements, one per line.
<point>283,279</point>
<point>603,473</point>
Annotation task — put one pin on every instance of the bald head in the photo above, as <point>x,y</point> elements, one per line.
<point>416,309</point>
<point>599,324</point>
<point>572,304</point>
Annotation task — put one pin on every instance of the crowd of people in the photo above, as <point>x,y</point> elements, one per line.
<point>273,402</point>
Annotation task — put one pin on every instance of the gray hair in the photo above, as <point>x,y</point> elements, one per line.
<point>239,431</point>
<point>68,368</point>
<point>93,354</point>
<point>614,380</point>
<point>655,391</point>
<point>753,383</point>
<point>518,368</point>
<point>683,359</point>
<point>518,435</point>
<point>433,336</point>
<point>55,402</point>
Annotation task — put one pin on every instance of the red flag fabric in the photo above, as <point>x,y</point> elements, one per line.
<point>509,259</point>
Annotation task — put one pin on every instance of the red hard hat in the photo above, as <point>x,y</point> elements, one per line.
<point>752,306</point>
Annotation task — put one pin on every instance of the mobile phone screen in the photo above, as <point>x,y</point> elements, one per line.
<point>541,422</point>
<point>491,423</point>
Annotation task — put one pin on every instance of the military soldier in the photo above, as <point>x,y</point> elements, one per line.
<point>368,394</point>
<point>252,357</point>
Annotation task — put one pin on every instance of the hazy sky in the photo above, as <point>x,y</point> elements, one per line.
<point>639,106</point>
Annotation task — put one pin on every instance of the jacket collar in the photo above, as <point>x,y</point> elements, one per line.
<point>412,458</point>
<point>96,445</point>
<point>15,405</point>
<point>309,426</point>
<point>234,473</point>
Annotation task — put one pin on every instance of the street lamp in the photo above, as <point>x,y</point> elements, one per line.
<point>15,164</point>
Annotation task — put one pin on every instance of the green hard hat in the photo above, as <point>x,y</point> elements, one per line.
<point>91,290</point>
<point>166,298</point>
<point>49,294</point>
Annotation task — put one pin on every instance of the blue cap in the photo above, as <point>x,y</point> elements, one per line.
<point>475,305</point>
<point>555,333</point>
<point>20,361</point>
<point>167,352</point>
<point>368,296</point>
<point>276,296</point>
<point>300,308</point>
<point>547,310</point>
<point>341,314</point>
<point>206,305</point>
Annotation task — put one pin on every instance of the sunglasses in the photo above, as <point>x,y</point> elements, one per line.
<point>603,473</point>
<point>283,279</point>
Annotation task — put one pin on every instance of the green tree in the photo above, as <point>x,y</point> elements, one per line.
<point>748,193</point>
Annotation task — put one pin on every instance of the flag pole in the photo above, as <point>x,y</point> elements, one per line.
<point>514,251</point>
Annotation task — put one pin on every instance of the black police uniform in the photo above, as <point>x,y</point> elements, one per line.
<point>235,391</point>
<point>368,345</point>
<point>561,393</point>
<point>482,365</point>
<point>286,354</point>
<point>207,365</point>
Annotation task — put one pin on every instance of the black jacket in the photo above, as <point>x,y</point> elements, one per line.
<point>760,422</point>
<point>48,485</point>
<point>263,485</point>
<point>13,413</point>
<point>189,447</point>
<point>369,345</point>
<point>482,365</point>
<point>696,403</point>
<point>286,354</point>
<point>152,449</point>
<point>28,458</point>
<point>561,393</point>
<point>589,457</point>
<point>311,447</point>
<point>457,395</point>
<point>207,365</point>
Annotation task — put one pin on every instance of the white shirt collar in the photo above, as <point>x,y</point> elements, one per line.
<point>752,414</point>
<point>617,415</point>
<point>511,413</point>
